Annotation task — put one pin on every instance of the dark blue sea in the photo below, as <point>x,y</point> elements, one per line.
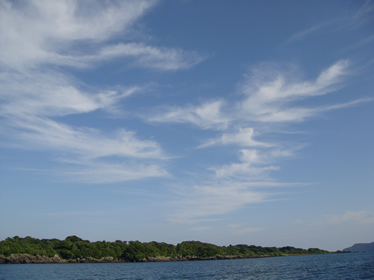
<point>334,266</point>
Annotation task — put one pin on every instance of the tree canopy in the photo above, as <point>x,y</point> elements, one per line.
<point>74,247</point>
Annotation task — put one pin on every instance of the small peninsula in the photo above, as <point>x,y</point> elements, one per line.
<point>76,250</point>
<point>360,247</point>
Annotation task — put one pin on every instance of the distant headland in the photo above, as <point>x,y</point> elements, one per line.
<point>76,250</point>
<point>360,247</point>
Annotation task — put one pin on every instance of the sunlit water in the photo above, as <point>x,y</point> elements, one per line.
<point>334,266</point>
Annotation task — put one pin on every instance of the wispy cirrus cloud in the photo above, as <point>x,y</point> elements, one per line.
<point>270,99</point>
<point>270,96</point>
<point>41,31</point>
<point>102,173</point>
<point>243,170</point>
<point>214,199</point>
<point>32,100</point>
<point>151,57</point>
<point>205,203</point>
<point>49,93</point>
<point>254,164</point>
<point>335,24</point>
<point>37,38</point>
<point>366,9</point>
<point>134,54</point>
<point>315,28</point>
<point>206,116</point>
<point>351,217</point>
<point>30,120</point>
<point>69,33</point>
<point>41,133</point>
<point>242,137</point>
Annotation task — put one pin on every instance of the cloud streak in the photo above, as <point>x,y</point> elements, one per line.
<point>104,173</point>
<point>40,31</point>
<point>270,95</point>
<point>39,35</point>
<point>68,33</point>
<point>243,137</point>
<point>335,24</point>
<point>351,217</point>
<point>40,40</point>
<point>28,123</point>
<point>215,199</point>
<point>206,116</point>
<point>270,99</point>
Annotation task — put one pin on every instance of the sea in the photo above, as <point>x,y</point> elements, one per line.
<point>331,266</point>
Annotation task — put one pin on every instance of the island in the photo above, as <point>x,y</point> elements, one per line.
<point>76,250</point>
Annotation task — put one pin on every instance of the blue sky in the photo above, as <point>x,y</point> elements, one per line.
<point>220,121</point>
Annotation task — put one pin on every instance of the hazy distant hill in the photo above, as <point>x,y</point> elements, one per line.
<point>368,247</point>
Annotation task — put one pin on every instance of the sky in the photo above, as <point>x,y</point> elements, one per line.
<point>227,122</point>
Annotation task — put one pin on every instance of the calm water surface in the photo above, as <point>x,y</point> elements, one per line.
<point>334,266</point>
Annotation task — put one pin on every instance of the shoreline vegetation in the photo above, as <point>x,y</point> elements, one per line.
<point>73,249</point>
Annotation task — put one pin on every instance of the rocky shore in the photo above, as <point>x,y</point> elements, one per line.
<point>26,258</point>
<point>29,259</point>
<point>193,258</point>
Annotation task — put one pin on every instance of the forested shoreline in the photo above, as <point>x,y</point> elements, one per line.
<point>75,249</point>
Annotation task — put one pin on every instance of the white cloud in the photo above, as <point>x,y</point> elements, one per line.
<point>138,54</point>
<point>352,217</point>
<point>42,31</point>
<point>335,24</point>
<point>254,165</point>
<point>246,169</point>
<point>206,116</point>
<point>42,134</point>
<point>34,96</point>
<point>164,58</point>
<point>359,44</point>
<point>215,199</point>
<point>249,156</point>
<point>33,100</point>
<point>242,170</point>
<point>71,33</point>
<point>50,94</point>
<point>244,137</point>
<point>270,95</point>
<point>270,99</point>
<point>308,31</point>
<point>99,173</point>
<point>343,105</point>
<point>36,35</point>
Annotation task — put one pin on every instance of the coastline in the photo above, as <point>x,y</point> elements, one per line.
<point>73,249</point>
<point>29,259</point>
